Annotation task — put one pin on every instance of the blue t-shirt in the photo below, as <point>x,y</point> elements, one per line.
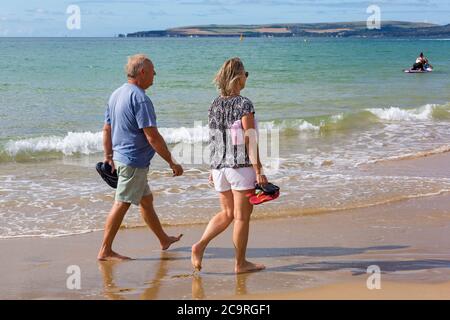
<point>129,111</point>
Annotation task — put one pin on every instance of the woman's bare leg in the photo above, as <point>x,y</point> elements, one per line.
<point>242,212</point>
<point>215,227</point>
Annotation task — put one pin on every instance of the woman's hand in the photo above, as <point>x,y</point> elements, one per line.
<point>210,179</point>
<point>261,179</point>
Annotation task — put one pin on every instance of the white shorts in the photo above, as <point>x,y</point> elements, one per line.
<point>239,179</point>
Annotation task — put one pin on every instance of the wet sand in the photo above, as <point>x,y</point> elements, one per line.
<point>356,290</point>
<point>307,257</point>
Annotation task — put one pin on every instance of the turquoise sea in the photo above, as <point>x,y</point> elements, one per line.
<point>339,105</point>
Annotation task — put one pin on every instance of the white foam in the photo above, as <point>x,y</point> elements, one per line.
<point>90,143</point>
<point>186,135</point>
<point>201,133</point>
<point>296,124</point>
<point>397,114</point>
<point>306,126</point>
<point>337,117</point>
<point>415,155</point>
<point>73,142</point>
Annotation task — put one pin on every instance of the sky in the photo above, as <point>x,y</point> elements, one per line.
<point>98,18</point>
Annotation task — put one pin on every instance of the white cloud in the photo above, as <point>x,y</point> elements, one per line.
<point>42,11</point>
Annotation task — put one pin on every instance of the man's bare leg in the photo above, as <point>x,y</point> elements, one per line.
<point>152,220</point>
<point>216,225</point>
<point>113,222</point>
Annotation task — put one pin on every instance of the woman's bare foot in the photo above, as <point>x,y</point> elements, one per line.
<point>197,256</point>
<point>111,256</point>
<point>248,266</point>
<point>170,240</point>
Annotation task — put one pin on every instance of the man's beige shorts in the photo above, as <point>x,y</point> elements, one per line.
<point>132,184</point>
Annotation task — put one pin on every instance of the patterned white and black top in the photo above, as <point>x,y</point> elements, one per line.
<point>226,142</point>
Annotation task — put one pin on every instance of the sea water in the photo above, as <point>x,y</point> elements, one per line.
<point>333,106</point>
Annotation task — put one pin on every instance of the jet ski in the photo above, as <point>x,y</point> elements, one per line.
<point>425,70</point>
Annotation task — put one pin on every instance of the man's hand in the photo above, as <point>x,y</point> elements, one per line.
<point>110,161</point>
<point>177,169</point>
<point>159,145</point>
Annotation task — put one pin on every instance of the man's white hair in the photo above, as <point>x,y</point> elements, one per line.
<point>135,65</point>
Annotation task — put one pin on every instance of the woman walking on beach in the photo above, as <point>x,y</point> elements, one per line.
<point>235,163</point>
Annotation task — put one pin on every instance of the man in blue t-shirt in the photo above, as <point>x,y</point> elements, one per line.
<point>130,140</point>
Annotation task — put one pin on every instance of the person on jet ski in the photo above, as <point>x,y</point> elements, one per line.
<point>420,63</point>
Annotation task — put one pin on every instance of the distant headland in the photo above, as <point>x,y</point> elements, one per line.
<point>392,29</point>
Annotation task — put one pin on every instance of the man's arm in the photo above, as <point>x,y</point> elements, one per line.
<point>159,145</point>
<point>107,145</point>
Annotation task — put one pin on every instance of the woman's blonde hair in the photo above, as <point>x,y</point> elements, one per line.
<point>226,79</point>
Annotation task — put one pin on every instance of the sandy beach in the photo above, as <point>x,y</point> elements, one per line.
<point>319,256</point>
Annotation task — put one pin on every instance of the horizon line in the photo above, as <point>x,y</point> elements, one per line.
<point>235,24</point>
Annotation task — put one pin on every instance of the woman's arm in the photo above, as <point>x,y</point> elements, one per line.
<point>251,143</point>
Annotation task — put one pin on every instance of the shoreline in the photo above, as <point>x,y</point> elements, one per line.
<point>425,165</point>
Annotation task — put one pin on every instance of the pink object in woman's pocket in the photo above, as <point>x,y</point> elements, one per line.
<point>237,133</point>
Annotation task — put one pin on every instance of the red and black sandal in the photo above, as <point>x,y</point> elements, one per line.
<point>263,194</point>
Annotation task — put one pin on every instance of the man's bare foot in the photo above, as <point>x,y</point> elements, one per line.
<point>249,267</point>
<point>197,256</point>
<point>170,240</point>
<point>111,256</point>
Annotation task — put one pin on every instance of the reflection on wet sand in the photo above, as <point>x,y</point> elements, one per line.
<point>198,291</point>
<point>152,288</point>
<point>113,292</point>
<point>154,285</point>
